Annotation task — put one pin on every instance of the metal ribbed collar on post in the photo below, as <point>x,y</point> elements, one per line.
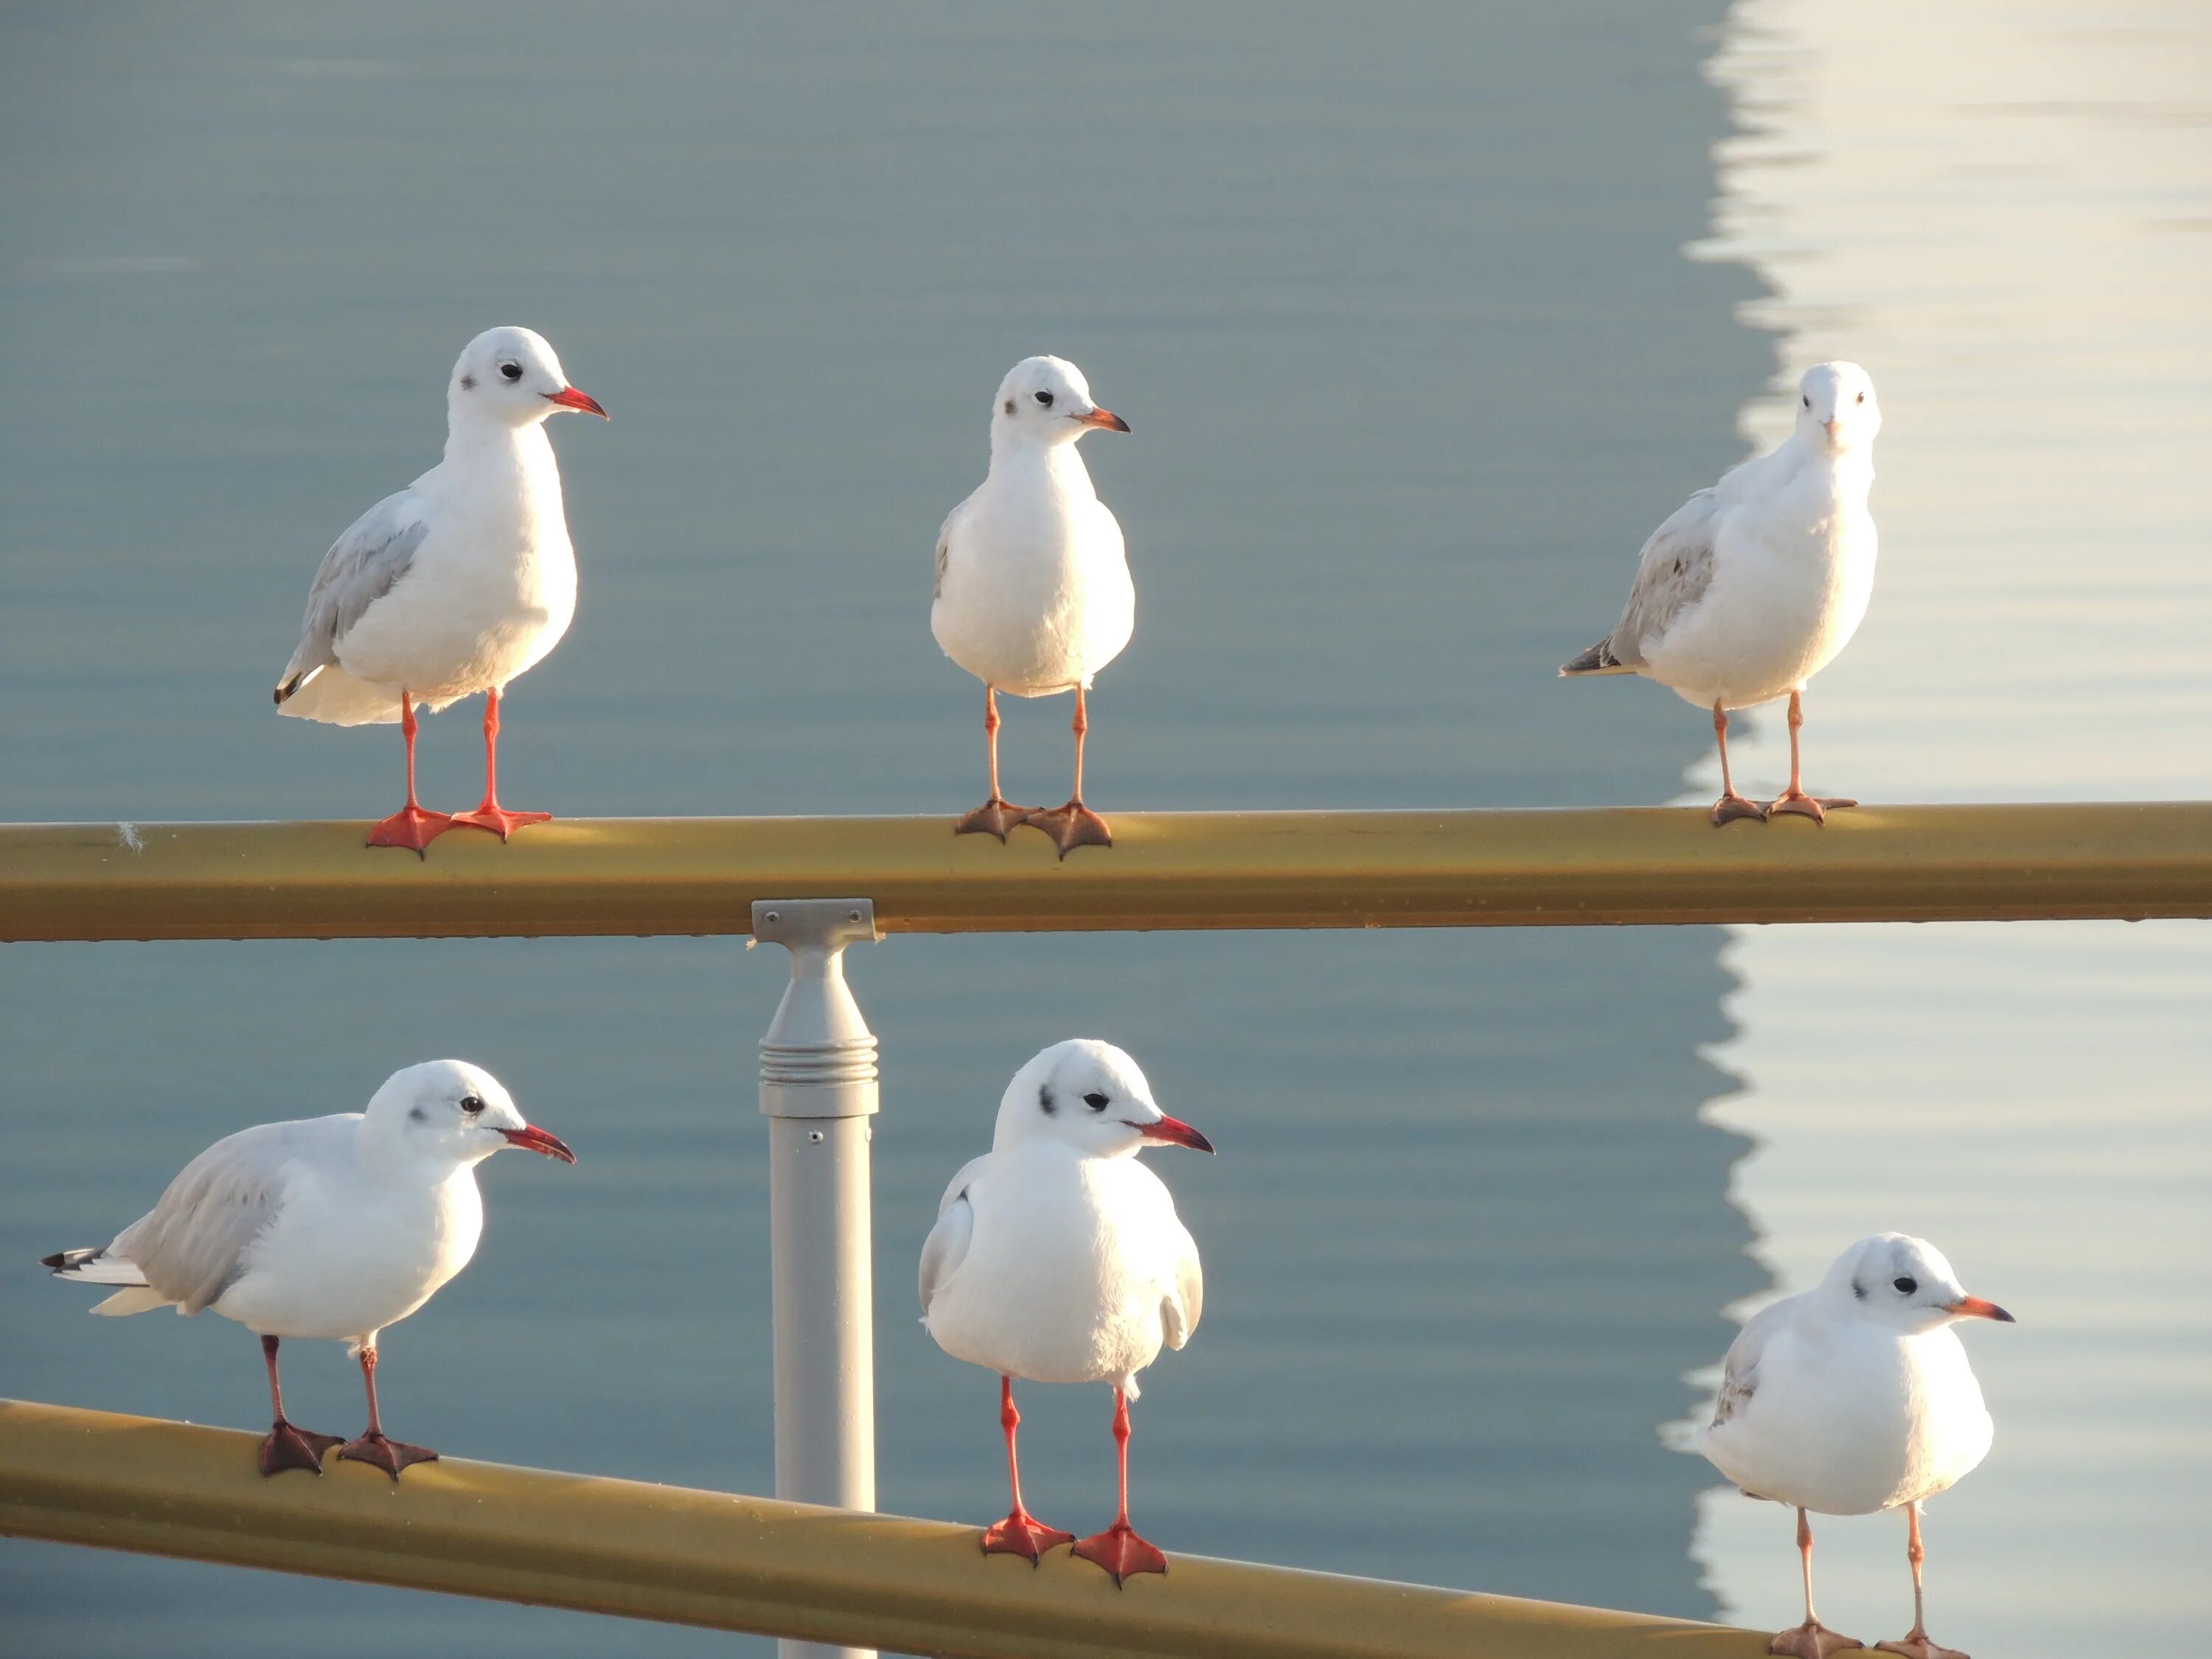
<point>818,1059</point>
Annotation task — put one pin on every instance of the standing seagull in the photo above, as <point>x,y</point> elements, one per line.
<point>1852,1397</point>
<point>1057,1257</point>
<point>1033,592</point>
<point>1755,585</point>
<point>454,586</point>
<point>326,1227</point>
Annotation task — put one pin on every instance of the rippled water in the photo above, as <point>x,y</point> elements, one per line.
<point>1401,316</point>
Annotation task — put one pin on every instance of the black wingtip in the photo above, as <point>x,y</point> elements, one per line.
<point>57,1260</point>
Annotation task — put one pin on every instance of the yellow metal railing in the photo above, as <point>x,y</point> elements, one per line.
<point>1194,870</point>
<point>743,1563</point>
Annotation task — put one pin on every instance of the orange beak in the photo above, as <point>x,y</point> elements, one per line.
<point>568,397</point>
<point>1172,1130</point>
<point>538,1141</point>
<point>1973,1306</point>
<point>1104,419</point>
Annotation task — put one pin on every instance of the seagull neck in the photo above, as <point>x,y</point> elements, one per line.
<point>1018,458</point>
<point>471,437</point>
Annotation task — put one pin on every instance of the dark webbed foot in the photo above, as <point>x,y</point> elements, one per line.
<point>1812,1640</point>
<point>1728,808</point>
<point>290,1447</point>
<point>993,818</point>
<point>390,1456</point>
<point>1816,808</point>
<point>1072,826</point>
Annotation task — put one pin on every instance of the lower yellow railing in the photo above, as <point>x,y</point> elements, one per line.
<point>743,1563</point>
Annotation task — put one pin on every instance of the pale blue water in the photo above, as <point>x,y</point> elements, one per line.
<point>1395,305</point>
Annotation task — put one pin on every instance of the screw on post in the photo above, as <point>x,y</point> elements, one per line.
<point>817,1090</point>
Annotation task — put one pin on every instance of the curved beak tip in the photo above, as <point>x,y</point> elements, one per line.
<point>536,1140</point>
<point>1174,1131</point>
<point>570,397</point>
<point>1105,420</point>
<point>1973,1306</point>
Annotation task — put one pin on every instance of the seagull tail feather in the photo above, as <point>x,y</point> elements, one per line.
<point>1598,659</point>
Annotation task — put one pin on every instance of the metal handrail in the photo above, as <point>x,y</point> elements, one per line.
<point>743,1563</point>
<point>1197,870</point>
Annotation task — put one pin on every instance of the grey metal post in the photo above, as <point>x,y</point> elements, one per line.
<point>818,1091</point>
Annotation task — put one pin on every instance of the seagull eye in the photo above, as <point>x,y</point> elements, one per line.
<point>510,371</point>
<point>1861,397</point>
<point>1096,1103</point>
<point>1906,1285</point>
<point>472,1105</point>
<point>1045,398</point>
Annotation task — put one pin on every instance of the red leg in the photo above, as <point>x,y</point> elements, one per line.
<point>1794,799</point>
<point>1020,1533</point>
<point>390,1456</point>
<point>491,815</point>
<point>1118,1549</point>
<point>996,816</point>
<point>287,1447</point>
<point>1917,1644</point>
<point>1075,825</point>
<point>1812,1640</point>
<point>410,826</point>
<point>1730,807</point>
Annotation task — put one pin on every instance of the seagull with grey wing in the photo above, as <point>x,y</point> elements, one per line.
<point>325,1227</point>
<point>1757,583</point>
<point>454,586</point>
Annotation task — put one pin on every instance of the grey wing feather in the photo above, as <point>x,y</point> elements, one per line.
<point>1672,574</point>
<point>1740,1371</point>
<point>947,1246</point>
<point>1179,1312</point>
<point>192,1245</point>
<point>944,548</point>
<point>361,567</point>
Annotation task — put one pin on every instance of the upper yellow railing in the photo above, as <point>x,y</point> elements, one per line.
<point>1181,870</point>
<point>746,1563</point>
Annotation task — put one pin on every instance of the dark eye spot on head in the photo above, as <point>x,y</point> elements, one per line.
<point>1906,1284</point>
<point>1010,405</point>
<point>1858,1290</point>
<point>1096,1103</point>
<point>1045,398</point>
<point>468,383</point>
<point>472,1105</point>
<point>510,371</point>
<point>1807,401</point>
<point>416,1115</point>
<point>1861,397</point>
<point>1045,1102</point>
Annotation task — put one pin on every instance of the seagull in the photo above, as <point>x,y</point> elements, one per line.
<point>326,1227</point>
<point>1033,592</point>
<point>1852,1397</point>
<point>1058,1258</point>
<point>453,586</point>
<point>1756,584</point>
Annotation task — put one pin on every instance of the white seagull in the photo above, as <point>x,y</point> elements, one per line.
<point>1852,1397</point>
<point>1058,1258</point>
<point>1756,584</point>
<point>454,586</point>
<point>1033,591</point>
<point>329,1227</point>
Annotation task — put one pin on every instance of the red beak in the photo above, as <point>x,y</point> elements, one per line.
<point>538,1141</point>
<point>568,397</point>
<point>1104,419</point>
<point>1973,1306</point>
<point>1175,1132</point>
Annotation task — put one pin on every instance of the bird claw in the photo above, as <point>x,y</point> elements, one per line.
<point>1022,1533</point>
<point>1918,1646</point>
<point>497,819</point>
<point>1812,1640</point>
<point>390,1456</point>
<point>290,1447</point>
<point>1121,1552</point>
<point>1072,826</point>
<point>1816,808</point>
<point>1728,808</point>
<point>993,818</point>
<point>412,827</point>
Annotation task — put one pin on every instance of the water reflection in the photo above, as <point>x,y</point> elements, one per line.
<point>1372,298</point>
<point>2006,224</point>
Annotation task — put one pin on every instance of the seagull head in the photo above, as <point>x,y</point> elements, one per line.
<point>1045,402</point>
<point>1904,1283</point>
<point>1091,1097</point>
<point>1836,407</point>
<point>449,1110</point>
<point>510,377</point>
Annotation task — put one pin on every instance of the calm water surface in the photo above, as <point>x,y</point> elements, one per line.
<point>1400,313</point>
